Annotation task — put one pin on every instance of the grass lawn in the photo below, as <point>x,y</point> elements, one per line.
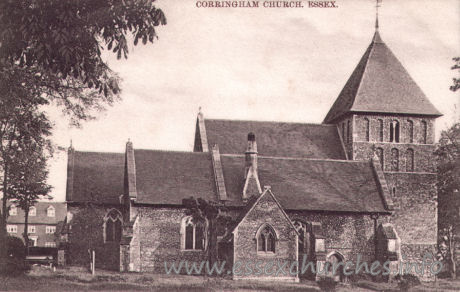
<point>43,279</point>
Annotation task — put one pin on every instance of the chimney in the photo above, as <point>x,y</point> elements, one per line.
<point>252,184</point>
<point>70,167</point>
<point>251,154</point>
<point>130,171</point>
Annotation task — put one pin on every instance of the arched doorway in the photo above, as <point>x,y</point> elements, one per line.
<point>334,258</point>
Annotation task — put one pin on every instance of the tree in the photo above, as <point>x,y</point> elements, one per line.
<point>65,37</point>
<point>24,129</point>
<point>448,161</point>
<point>28,177</point>
<point>214,214</point>
<point>456,81</point>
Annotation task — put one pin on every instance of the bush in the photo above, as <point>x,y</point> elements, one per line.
<point>407,281</point>
<point>327,284</point>
<point>16,253</point>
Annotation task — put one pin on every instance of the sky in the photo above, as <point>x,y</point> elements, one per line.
<point>270,64</point>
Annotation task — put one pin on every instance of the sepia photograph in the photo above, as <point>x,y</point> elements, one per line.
<point>203,145</point>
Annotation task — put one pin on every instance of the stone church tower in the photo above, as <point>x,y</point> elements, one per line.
<point>381,112</point>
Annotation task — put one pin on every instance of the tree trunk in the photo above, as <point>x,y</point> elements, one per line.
<point>3,233</point>
<point>26,227</point>
<point>212,252</point>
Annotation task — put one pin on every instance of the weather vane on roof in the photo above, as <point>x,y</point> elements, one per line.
<point>377,2</point>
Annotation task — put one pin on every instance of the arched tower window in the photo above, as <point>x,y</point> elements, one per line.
<point>394,159</point>
<point>343,131</point>
<point>379,153</point>
<point>410,160</point>
<point>113,226</point>
<point>366,129</point>
<point>394,131</point>
<point>266,239</point>
<point>380,122</point>
<point>193,234</point>
<point>424,132</point>
<point>410,131</point>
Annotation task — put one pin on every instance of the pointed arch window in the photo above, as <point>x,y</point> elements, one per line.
<point>113,223</point>
<point>410,160</point>
<point>304,235</point>
<point>266,239</point>
<point>380,122</point>
<point>424,132</point>
<point>394,159</point>
<point>379,153</point>
<point>394,131</point>
<point>366,129</point>
<point>410,131</point>
<point>343,131</point>
<point>193,234</point>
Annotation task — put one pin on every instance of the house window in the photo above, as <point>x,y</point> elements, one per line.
<point>51,212</point>
<point>13,210</point>
<point>394,159</point>
<point>50,229</point>
<point>113,226</point>
<point>379,153</point>
<point>424,132</point>
<point>32,211</point>
<point>12,228</point>
<point>33,240</point>
<point>366,129</point>
<point>410,160</point>
<point>394,131</point>
<point>410,131</point>
<point>50,244</point>
<point>193,234</point>
<point>31,229</point>
<point>380,122</point>
<point>266,240</point>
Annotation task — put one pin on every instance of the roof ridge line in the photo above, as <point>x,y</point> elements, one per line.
<point>372,45</point>
<point>296,158</point>
<point>171,151</point>
<point>276,122</point>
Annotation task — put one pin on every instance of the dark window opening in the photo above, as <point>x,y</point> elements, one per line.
<point>266,240</point>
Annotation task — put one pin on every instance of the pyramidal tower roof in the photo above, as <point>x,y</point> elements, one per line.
<point>380,84</point>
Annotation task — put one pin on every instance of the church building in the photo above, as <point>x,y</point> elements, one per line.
<point>360,184</point>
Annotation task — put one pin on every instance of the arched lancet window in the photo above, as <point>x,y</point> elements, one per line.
<point>266,239</point>
<point>304,236</point>
<point>410,131</point>
<point>424,132</point>
<point>410,160</point>
<point>113,223</point>
<point>394,131</point>
<point>193,234</point>
<point>394,159</point>
<point>343,132</point>
<point>366,129</point>
<point>380,122</point>
<point>379,153</point>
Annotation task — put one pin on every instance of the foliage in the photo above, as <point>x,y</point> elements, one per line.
<point>16,256</point>
<point>456,81</point>
<point>213,213</point>
<point>448,161</point>
<point>66,37</point>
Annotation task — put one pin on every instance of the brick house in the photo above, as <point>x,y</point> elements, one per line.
<point>362,183</point>
<point>44,218</point>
